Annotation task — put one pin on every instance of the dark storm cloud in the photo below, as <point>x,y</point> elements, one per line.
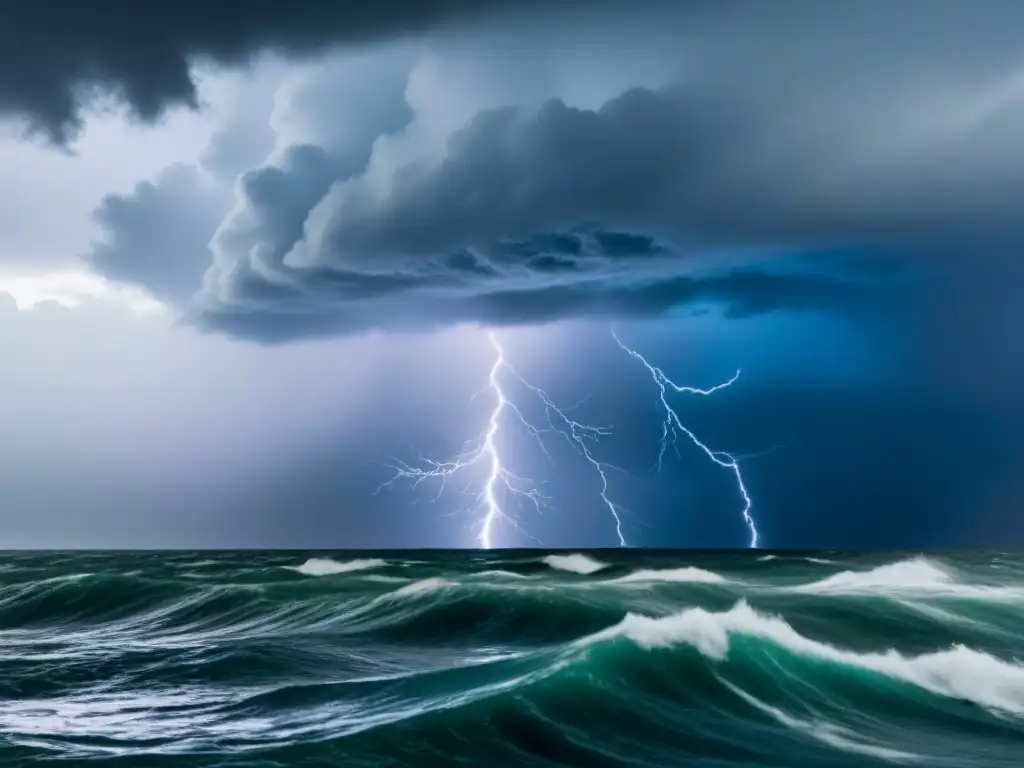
<point>457,240</point>
<point>55,56</point>
<point>158,236</point>
<point>676,162</point>
<point>274,201</point>
<point>761,129</point>
<point>328,302</point>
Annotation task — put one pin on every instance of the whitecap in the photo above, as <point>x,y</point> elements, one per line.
<point>688,575</point>
<point>325,566</point>
<point>767,558</point>
<point>916,573</point>
<point>917,577</point>
<point>575,563</point>
<point>958,672</point>
<point>423,585</point>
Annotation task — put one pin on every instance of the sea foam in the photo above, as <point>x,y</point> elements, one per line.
<point>918,578</point>
<point>687,575</point>
<point>958,672</point>
<point>325,566</point>
<point>916,573</point>
<point>575,563</point>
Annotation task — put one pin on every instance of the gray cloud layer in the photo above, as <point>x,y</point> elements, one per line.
<point>539,195</point>
<point>56,56</point>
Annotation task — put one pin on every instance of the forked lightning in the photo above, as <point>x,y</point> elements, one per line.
<point>502,484</point>
<point>672,426</point>
<point>500,481</point>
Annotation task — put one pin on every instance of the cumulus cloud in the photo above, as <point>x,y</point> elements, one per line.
<point>490,178</point>
<point>157,236</point>
<point>244,135</point>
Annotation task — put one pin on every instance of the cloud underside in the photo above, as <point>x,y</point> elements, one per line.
<point>58,57</point>
<point>530,216</point>
<point>416,195</point>
<point>324,302</point>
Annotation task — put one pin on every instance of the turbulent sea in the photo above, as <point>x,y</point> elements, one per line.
<point>514,658</point>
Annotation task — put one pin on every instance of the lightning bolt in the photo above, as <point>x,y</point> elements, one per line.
<point>672,427</point>
<point>500,480</point>
<point>580,436</point>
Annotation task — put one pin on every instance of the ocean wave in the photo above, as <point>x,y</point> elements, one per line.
<point>575,563</point>
<point>422,586</point>
<point>831,734</point>
<point>379,578</point>
<point>500,574</point>
<point>325,566</point>
<point>918,576</point>
<point>915,573</point>
<point>510,659</point>
<point>685,575</point>
<point>82,599</point>
<point>959,672</point>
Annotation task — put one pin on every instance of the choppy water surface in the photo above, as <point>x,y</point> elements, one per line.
<point>612,658</point>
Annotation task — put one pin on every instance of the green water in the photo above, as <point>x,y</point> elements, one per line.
<point>608,658</point>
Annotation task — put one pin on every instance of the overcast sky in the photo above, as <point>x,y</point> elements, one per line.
<point>249,265</point>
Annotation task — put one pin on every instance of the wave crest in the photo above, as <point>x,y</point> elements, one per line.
<point>959,672</point>
<point>325,566</point>
<point>687,575</point>
<point>916,573</point>
<point>575,563</point>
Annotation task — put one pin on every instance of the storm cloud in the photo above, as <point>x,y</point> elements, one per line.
<point>56,58</point>
<point>489,176</point>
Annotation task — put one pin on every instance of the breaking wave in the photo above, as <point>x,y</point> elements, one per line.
<point>687,575</point>
<point>959,672</point>
<point>916,573</point>
<point>575,563</point>
<point>510,659</point>
<point>324,566</point>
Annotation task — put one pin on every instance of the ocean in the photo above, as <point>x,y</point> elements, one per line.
<point>511,658</point>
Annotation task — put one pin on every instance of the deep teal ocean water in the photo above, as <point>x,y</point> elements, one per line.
<point>514,658</point>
